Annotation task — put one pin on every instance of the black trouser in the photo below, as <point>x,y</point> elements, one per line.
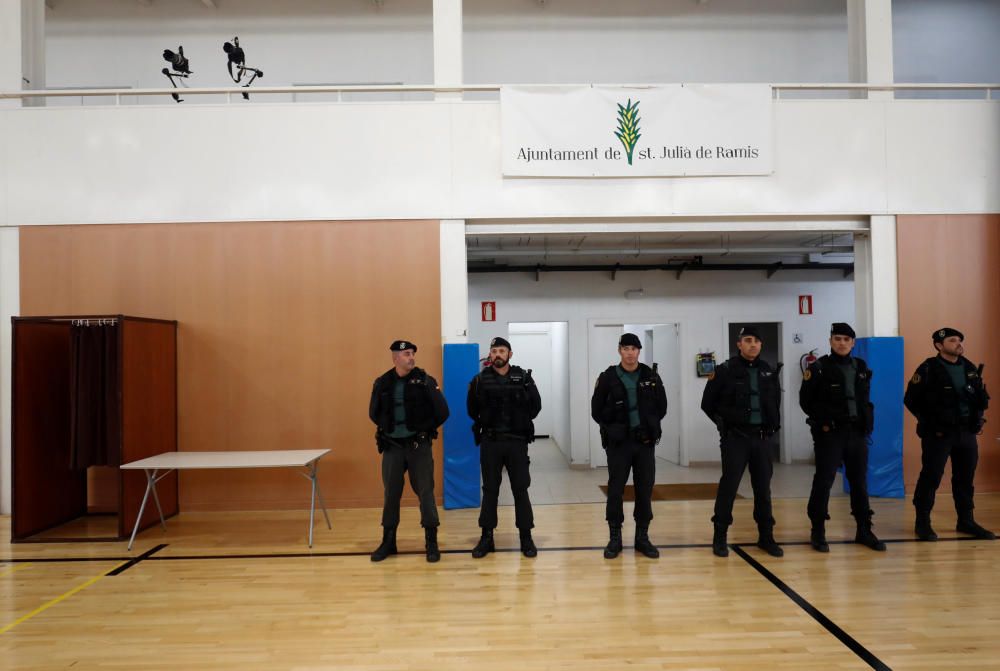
<point>846,445</point>
<point>961,446</point>
<point>640,458</point>
<point>416,457</point>
<point>740,448</point>
<point>494,455</point>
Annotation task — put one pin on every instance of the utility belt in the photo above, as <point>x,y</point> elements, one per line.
<point>617,433</point>
<point>751,431</point>
<point>409,443</point>
<point>494,435</point>
<point>835,425</point>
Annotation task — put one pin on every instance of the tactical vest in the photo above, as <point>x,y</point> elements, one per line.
<point>941,399</point>
<point>830,401</point>
<point>615,410</point>
<point>734,402</point>
<point>416,401</point>
<point>505,404</point>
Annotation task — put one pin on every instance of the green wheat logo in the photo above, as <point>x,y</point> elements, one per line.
<point>628,127</point>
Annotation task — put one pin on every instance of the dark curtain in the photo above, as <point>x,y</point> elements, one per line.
<point>95,404</point>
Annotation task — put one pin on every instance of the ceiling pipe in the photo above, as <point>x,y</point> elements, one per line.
<point>475,252</point>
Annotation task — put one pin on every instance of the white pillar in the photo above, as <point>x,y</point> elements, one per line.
<point>869,36</point>
<point>10,49</point>
<point>448,46</point>
<point>876,287</point>
<point>454,283</point>
<point>33,47</point>
<point>9,307</point>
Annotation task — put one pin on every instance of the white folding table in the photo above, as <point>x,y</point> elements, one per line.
<point>158,467</point>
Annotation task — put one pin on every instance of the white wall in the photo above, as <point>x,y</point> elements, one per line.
<point>954,41</point>
<point>9,307</point>
<point>441,160</point>
<point>701,302</point>
<point>582,41</point>
<point>99,43</point>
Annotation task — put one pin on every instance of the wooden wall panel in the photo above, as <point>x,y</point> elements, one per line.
<point>149,415</point>
<point>948,276</point>
<point>282,329</point>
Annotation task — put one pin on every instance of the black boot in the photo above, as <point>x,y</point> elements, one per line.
<point>528,548</point>
<point>817,538</point>
<point>431,544</point>
<point>923,527</point>
<point>388,546</point>
<point>867,537</point>
<point>967,525</point>
<point>485,545</point>
<point>643,544</point>
<point>720,547</point>
<point>614,546</point>
<point>766,542</point>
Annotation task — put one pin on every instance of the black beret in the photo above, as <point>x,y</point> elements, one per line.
<point>500,342</point>
<point>842,328</point>
<point>400,345</point>
<point>629,340</point>
<point>750,331</point>
<point>946,332</point>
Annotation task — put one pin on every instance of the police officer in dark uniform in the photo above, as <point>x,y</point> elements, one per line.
<point>502,401</point>
<point>948,397</point>
<point>629,402</point>
<point>743,399</point>
<point>407,407</point>
<point>835,397</point>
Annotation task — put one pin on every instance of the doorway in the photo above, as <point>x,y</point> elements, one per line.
<point>543,348</point>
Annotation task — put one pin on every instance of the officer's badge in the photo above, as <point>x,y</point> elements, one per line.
<point>807,375</point>
<point>916,378</point>
<point>941,333</point>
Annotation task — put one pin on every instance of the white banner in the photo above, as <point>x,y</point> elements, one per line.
<point>630,131</point>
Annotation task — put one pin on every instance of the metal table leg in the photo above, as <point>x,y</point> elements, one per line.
<point>151,480</point>
<point>311,475</point>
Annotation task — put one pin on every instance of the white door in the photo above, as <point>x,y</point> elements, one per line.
<point>534,351</point>
<point>666,353</point>
<point>602,351</point>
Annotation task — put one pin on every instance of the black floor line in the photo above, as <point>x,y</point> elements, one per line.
<point>135,560</point>
<point>149,556</point>
<point>828,624</point>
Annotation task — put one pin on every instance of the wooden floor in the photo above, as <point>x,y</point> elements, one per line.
<point>242,591</point>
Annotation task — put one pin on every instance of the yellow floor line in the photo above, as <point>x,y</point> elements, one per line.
<point>61,597</point>
<point>15,567</point>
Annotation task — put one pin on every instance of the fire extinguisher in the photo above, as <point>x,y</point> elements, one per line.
<point>807,360</point>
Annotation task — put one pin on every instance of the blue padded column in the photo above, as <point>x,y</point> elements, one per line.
<point>461,455</point>
<point>885,456</point>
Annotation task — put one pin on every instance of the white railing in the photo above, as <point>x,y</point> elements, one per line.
<point>230,91</point>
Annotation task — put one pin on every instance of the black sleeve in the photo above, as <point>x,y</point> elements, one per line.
<point>373,403</point>
<point>599,398</point>
<point>472,399</point>
<point>534,398</point>
<point>713,393</point>
<point>661,397</point>
<point>916,391</point>
<point>807,392</point>
<point>437,401</point>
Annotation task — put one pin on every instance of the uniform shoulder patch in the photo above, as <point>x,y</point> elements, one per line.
<point>915,379</point>
<point>807,375</point>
